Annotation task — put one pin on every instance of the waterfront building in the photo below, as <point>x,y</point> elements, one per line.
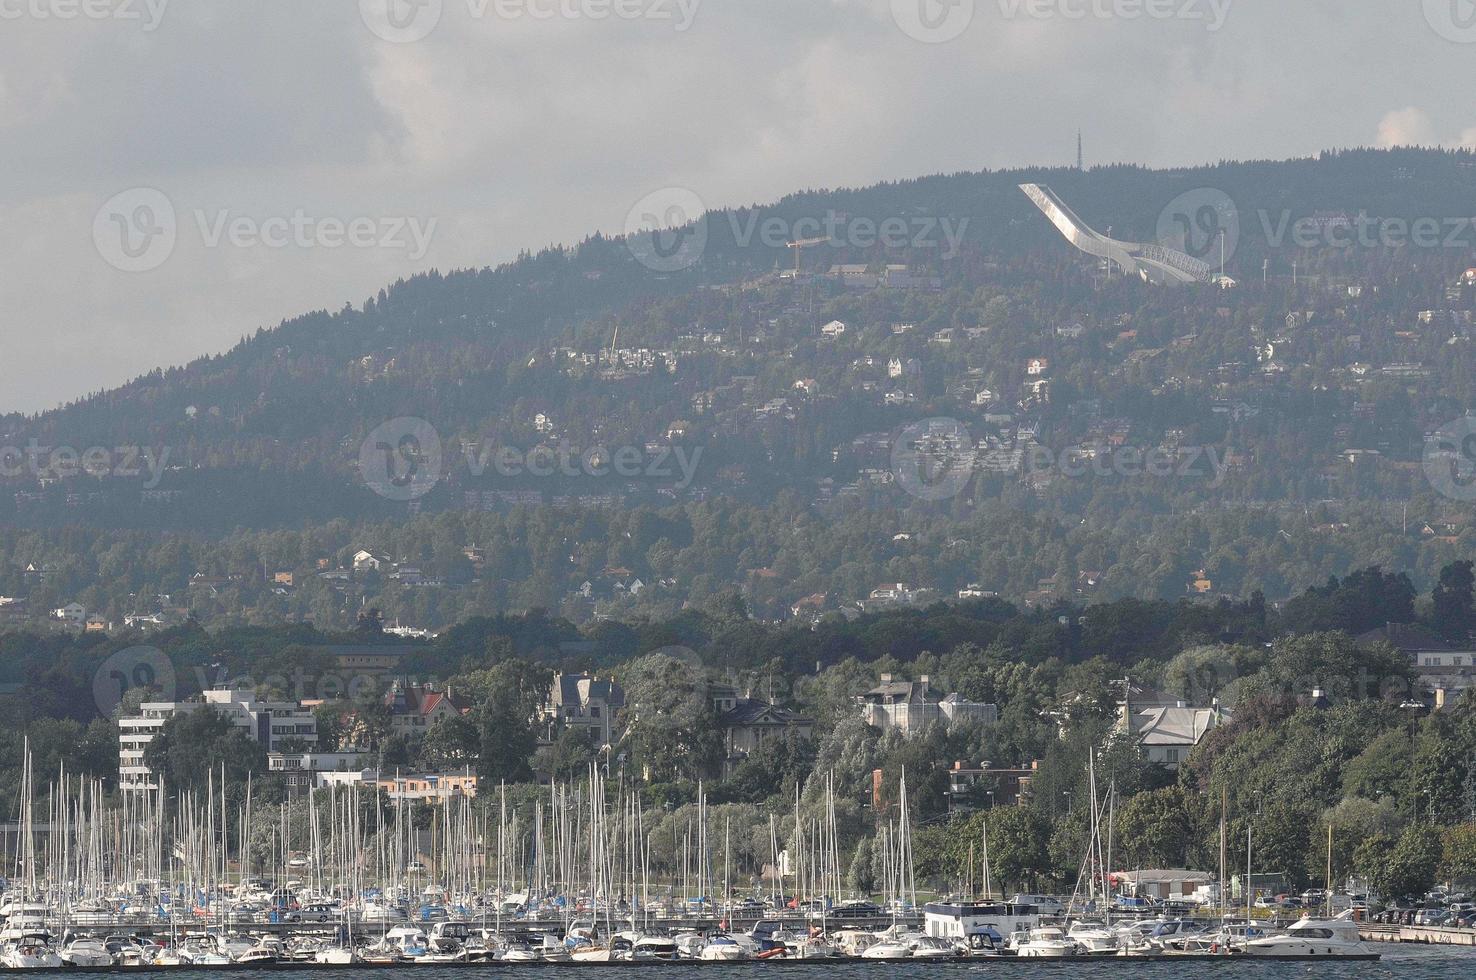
<point>274,724</point>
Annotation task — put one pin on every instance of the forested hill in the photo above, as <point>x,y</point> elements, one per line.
<point>772,420</point>
<point>454,347</point>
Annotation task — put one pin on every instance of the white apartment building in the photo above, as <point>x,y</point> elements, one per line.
<point>271,723</point>
<point>306,770</point>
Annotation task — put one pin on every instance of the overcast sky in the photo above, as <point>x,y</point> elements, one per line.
<point>176,173</point>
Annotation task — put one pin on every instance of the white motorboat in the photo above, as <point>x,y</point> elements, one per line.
<point>724,947</point>
<point>203,951</point>
<point>689,944</point>
<point>380,912</point>
<point>888,949</point>
<point>931,948</point>
<point>448,951</point>
<point>518,951</point>
<point>1315,937</point>
<point>647,948</point>
<point>814,948</point>
<point>85,951</point>
<point>1094,938</point>
<point>553,951</point>
<point>261,954</point>
<point>1045,942</point>
<point>30,953</point>
<point>1180,935</point>
<point>335,956</point>
<point>409,940</point>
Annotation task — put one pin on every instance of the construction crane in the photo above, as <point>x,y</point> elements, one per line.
<point>799,248</point>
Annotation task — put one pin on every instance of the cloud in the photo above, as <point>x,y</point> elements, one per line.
<point>1406,127</point>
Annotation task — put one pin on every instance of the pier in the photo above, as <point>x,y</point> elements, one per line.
<point>1428,935</point>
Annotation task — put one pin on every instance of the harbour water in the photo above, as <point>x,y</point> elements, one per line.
<point>1404,962</point>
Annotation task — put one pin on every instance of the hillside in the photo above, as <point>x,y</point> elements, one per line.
<point>770,457</point>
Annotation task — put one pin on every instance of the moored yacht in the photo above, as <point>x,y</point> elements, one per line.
<point>85,951</point>
<point>1093,937</point>
<point>1315,937</point>
<point>32,952</point>
<point>1045,942</point>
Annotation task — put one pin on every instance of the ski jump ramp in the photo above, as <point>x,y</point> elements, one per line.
<point>1154,263</point>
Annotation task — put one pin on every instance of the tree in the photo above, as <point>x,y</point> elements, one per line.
<point>1409,868</point>
<point>1381,769</point>
<point>1453,612</point>
<point>862,876</point>
<point>370,622</point>
<point>451,742</point>
<point>332,726</point>
<point>1335,664</point>
<point>1458,852</point>
<point>1371,861</point>
<point>774,768</point>
<point>194,745</point>
<point>671,725</point>
<point>1366,599</point>
<point>506,742</point>
<point>1281,840</point>
<point>1155,829</point>
<point>1353,821</point>
<point>1018,840</point>
<point>568,757</point>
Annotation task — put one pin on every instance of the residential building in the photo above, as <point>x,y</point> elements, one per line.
<point>274,724</point>
<point>910,706</point>
<point>372,659</point>
<point>811,607</point>
<point>302,770</point>
<point>366,561</point>
<point>1167,729</point>
<point>72,616</point>
<point>1441,668</point>
<point>429,787</point>
<point>749,722</point>
<point>989,784</point>
<point>584,701</point>
<point>415,708</point>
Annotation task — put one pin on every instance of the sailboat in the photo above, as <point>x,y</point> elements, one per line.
<point>26,943</point>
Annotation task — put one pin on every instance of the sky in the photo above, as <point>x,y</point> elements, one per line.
<point>177,173</point>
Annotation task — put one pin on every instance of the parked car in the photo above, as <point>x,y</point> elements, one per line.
<point>855,910</point>
<point>1045,903</point>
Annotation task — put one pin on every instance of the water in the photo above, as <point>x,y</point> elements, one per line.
<point>1400,962</point>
